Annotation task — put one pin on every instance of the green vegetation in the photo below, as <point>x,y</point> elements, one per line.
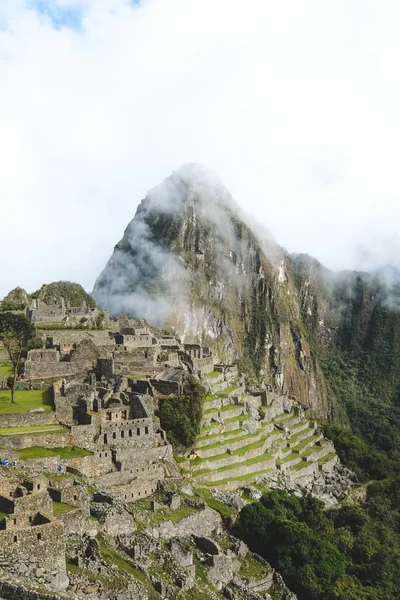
<point>60,508</point>
<point>15,300</point>
<point>25,400</point>
<point>39,452</point>
<point>349,553</point>
<point>15,333</point>
<point>31,430</point>
<point>180,416</point>
<point>112,557</point>
<point>213,374</point>
<point>5,368</point>
<point>73,293</point>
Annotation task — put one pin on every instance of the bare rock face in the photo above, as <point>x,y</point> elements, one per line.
<point>189,260</point>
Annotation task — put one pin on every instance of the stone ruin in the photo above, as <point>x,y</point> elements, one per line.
<point>133,349</point>
<point>40,312</point>
<point>115,423</point>
<point>32,541</point>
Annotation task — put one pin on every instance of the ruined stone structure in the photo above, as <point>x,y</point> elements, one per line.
<point>46,363</point>
<point>134,349</point>
<point>40,312</point>
<point>116,426</point>
<point>31,537</point>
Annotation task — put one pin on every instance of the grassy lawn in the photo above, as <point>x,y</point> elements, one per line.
<point>39,452</point>
<point>5,368</point>
<point>60,507</point>
<point>32,430</point>
<point>24,401</point>
<point>213,374</point>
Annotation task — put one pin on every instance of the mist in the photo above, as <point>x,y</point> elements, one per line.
<point>293,105</point>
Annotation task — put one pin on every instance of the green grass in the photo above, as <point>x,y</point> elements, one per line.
<point>294,437</point>
<point>213,374</point>
<point>248,477</point>
<point>301,465</point>
<point>32,430</point>
<point>226,408</point>
<point>214,435</point>
<point>246,463</point>
<point>71,568</point>
<point>238,452</point>
<point>289,457</point>
<point>229,390</point>
<point>234,434</point>
<point>25,400</point>
<point>283,417</point>
<point>251,568</point>
<point>238,418</point>
<point>60,507</point>
<point>326,458</point>
<point>207,497</point>
<point>303,444</point>
<point>40,452</point>
<point>5,369</point>
<point>310,451</point>
<point>180,513</point>
<point>112,557</point>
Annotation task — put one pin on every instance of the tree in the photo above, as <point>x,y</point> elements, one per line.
<point>15,333</point>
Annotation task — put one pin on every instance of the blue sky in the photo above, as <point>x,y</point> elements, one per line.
<point>293,104</point>
<point>60,16</point>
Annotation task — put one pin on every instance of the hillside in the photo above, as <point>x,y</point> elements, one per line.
<point>189,261</point>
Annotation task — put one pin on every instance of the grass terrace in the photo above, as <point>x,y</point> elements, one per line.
<point>63,453</point>
<point>25,400</point>
<point>213,374</point>
<point>60,507</point>
<point>5,368</point>
<point>226,408</point>
<point>31,430</point>
<point>229,390</point>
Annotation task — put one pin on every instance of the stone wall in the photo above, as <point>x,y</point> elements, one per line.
<point>39,546</point>
<point>31,503</point>
<point>85,352</point>
<point>49,463</point>
<point>75,521</point>
<point>91,466</point>
<point>166,387</point>
<point>238,471</point>
<point>135,341</point>
<point>105,366</point>
<point>127,362</point>
<point>10,591</point>
<point>204,365</point>
<point>50,440</point>
<point>74,336</point>
<point>140,488</point>
<point>202,523</point>
<point>28,419</point>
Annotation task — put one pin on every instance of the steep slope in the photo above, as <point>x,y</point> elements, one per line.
<point>353,323</point>
<point>189,261</point>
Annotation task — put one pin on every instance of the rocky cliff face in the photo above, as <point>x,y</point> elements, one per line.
<point>189,262</point>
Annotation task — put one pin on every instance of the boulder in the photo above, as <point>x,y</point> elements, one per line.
<point>60,582</point>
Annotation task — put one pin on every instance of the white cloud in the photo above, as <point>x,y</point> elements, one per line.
<point>294,104</point>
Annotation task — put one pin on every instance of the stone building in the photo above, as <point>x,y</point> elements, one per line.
<point>130,451</point>
<point>40,312</point>
<point>30,536</point>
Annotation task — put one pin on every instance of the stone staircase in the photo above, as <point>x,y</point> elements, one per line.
<point>236,446</point>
